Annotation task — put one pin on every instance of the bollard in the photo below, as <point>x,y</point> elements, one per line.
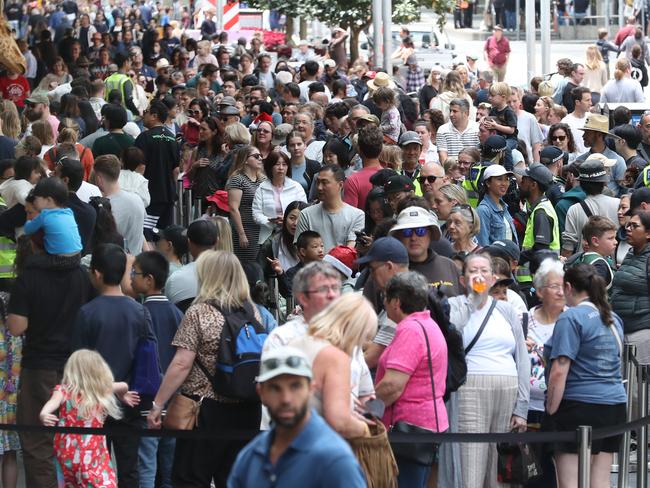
<point>188,209</point>
<point>629,355</point>
<point>642,436</point>
<point>179,203</point>
<point>584,456</point>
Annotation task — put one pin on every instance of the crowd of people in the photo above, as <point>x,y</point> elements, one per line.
<point>357,261</point>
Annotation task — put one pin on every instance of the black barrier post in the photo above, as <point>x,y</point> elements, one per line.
<point>629,362</point>
<point>584,456</point>
<point>642,435</point>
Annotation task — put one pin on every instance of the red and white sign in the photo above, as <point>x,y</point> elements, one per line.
<point>231,16</point>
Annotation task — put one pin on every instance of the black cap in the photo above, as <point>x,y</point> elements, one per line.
<point>639,196</point>
<point>550,155</point>
<point>396,184</point>
<point>381,177</point>
<point>203,233</point>
<point>539,173</point>
<point>504,249</point>
<point>494,145</point>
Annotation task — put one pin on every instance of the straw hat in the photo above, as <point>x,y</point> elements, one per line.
<point>381,80</point>
<point>597,123</point>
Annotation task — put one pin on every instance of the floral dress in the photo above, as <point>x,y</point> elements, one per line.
<point>11,352</point>
<point>83,460</point>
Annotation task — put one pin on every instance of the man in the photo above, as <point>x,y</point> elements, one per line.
<point>432,177</point>
<point>592,178</point>
<point>300,449</point>
<point>644,129</point>
<point>229,115</point>
<point>311,69</point>
<point>208,27</point>
<point>458,133</point>
<point>576,119</point>
<point>357,186</point>
<point>553,157</point>
<point>71,173</point>
<point>163,157</point>
<point>542,231</point>
<point>528,129</point>
<point>169,42</point>
<point>416,228</point>
<point>37,107</point>
<point>576,76</point>
<point>626,31</point>
<point>626,143</point>
<point>127,208</point>
<point>336,221</point>
<point>496,53</point>
<point>116,141</point>
<point>386,257</point>
<point>183,285</point>
<point>359,111</point>
<point>595,130</point>
<point>305,53</point>
<point>397,189</point>
<point>121,82</point>
<point>112,324</point>
<point>291,96</point>
<point>411,146</point>
<point>44,302</point>
<point>337,49</point>
<point>137,64</point>
<point>263,71</point>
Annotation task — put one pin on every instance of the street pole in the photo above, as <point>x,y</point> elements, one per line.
<point>608,9</point>
<point>219,7</point>
<point>530,38</point>
<point>545,35</point>
<point>387,15</point>
<point>376,33</point>
<point>621,19</point>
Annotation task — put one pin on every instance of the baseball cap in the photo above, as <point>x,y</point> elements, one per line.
<point>409,137</point>
<point>284,77</point>
<point>373,119</point>
<point>161,64</point>
<point>608,162</point>
<point>495,170</point>
<point>503,282</point>
<point>175,234</point>
<point>550,155</point>
<point>285,360</point>
<point>202,233</point>
<point>504,249</point>
<point>639,196</point>
<point>537,172</point>
<point>494,145</point>
<point>385,249</point>
<point>329,63</point>
<point>414,217</point>
<point>398,183</point>
<point>38,97</point>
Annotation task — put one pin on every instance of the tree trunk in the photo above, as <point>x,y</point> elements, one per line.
<point>303,28</point>
<point>354,43</point>
<point>289,28</point>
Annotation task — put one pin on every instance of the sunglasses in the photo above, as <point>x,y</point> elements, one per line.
<point>427,179</point>
<point>256,156</point>
<point>419,231</point>
<point>291,361</point>
<point>558,138</point>
<point>194,112</point>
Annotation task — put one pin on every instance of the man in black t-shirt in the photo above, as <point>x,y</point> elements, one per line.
<point>575,80</point>
<point>45,299</point>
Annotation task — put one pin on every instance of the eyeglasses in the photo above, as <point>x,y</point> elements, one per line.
<point>419,231</point>
<point>461,207</point>
<point>321,290</point>
<point>555,287</point>
<point>135,273</point>
<point>256,156</point>
<point>558,138</point>
<point>291,361</point>
<point>632,225</point>
<point>427,179</point>
<point>465,163</point>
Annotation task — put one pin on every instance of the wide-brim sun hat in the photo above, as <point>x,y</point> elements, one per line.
<point>414,217</point>
<point>381,80</point>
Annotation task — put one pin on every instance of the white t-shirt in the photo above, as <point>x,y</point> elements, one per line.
<point>493,353</point>
<point>576,124</point>
<point>528,130</point>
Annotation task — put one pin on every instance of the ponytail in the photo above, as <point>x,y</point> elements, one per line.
<point>622,65</point>
<point>584,278</point>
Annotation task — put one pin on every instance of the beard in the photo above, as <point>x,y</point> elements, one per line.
<point>298,417</point>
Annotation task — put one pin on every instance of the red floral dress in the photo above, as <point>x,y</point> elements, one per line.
<point>83,460</point>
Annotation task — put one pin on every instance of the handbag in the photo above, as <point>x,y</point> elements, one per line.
<point>182,413</point>
<point>517,463</point>
<point>146,370</point>
<point>376,457</point>
<point>422,452</point>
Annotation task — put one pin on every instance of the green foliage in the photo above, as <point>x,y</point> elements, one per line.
<point>442,8</point>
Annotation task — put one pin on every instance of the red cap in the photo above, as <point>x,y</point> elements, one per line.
<point>370,75</point>
<point>220,198</point>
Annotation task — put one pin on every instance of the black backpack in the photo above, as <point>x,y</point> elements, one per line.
<point>238,355</point>
<point>456,365</point>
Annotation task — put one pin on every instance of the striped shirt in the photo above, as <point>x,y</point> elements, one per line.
<point>452,141</point>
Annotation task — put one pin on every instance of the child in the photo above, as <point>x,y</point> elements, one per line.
<point>502,290</point>
<point>391,124</point>
<point>85,397</point>
<point>310,248</point>
<point>148,277</point>
<point>598,244</point>
<point>506,123</point>
<point>61,232</point>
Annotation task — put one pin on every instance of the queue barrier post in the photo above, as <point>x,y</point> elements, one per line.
<point>178,210</point>
<point>584,456</point>
<point>629,365</point>
<point>642,435</point>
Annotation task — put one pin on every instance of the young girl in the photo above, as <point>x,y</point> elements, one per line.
<point>85,397</point>
<point>390,125</point>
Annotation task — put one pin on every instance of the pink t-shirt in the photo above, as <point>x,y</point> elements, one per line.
<point>357,187</point>
<point>407,353</point>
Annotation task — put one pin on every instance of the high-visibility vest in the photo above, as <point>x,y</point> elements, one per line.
<point>115,82</point>
<point>646,176</point>
<point>522,273</point>
<point>7,254</point>
<point>472,184</point>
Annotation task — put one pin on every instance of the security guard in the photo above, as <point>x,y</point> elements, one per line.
<point>411,146</point>
<point>542,235</point>
<point>121,82</point>
<point>492,152</point>
<point>553,158</point>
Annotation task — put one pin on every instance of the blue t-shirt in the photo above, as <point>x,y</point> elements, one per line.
<point>60,228</point>
<point>298,174</point>
<point>317,457</point>
<point>595,372</point>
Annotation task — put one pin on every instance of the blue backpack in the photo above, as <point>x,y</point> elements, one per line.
<point>238,355</point>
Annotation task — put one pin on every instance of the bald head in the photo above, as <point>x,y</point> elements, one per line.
<point>320,98</point>
<point>427,173</point>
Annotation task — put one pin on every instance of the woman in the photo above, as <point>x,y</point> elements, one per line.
<point>245,176</point>
<point>377,210</point>
<point>596,74</point>
<point>622,89</point>
<point>302,168</point>
<point>336,152</point>
<point>496,221</point>
<point>274,194</point>
<point>195,114</point>
<point>498,370</point>
<point>222,286</point>
<point>69,134</point>
<point>42,129</point>
<point>585,386</point>
<point>70,110</point>
<point>58,75</point>
<point>430,91</point>
<point>622,246</point>
<point>463,224</point>
<point>280,250</point>
<point>543,108</point>
<point>557,113</point>
<point>404,50</point>
<point>412,370</point>
<point>447,197</point>
<point>629,291</point>
<point>207,157</point>
<point>263,138</point>
<point>560,135</point>
<point>452,87</point>
<point>304,124</point>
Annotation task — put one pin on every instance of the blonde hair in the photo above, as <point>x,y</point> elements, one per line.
<point>545,89</point>
<point>454,84</point>
<point>222,280</point>
<point>238,134</point>
<point>454,192</point>
<point>622,66</point>
<point>391,157</point>
<point>68,131</point>
<point>347,323</point>
<point>90,382</point>
<point>43,131</point>
<point>240,157</point>
<point>11,126</point>
<point>500,88</point>
<point>224,243</point>
<point>594,58</point>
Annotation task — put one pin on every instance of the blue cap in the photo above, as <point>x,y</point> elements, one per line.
<point>386,249</point>
<point>507,249</point>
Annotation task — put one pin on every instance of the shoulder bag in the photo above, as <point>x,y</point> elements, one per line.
<point>481,328</point>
